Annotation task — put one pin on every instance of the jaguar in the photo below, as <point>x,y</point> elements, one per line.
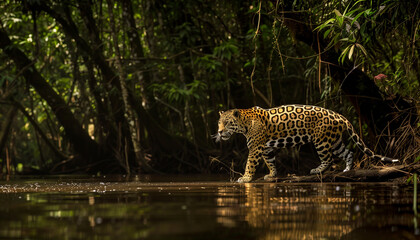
<point>291,125</point>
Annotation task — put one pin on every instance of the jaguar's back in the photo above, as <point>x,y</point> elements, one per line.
<point>290,125</point>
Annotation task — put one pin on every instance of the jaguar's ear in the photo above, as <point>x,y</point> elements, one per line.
<point>220,113</point>
<point>236,113</point>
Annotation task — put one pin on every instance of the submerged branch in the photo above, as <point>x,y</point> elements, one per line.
<point>361,175</point>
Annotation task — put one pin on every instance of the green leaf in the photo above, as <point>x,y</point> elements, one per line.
<point>351,51</point>
<point>337,13</point>
<point>417,159</point>
<point>357,17</point>
<point>339,17</point>
<point>325,24</point>
<point>343,54</point>
<point>362,48</point>
<point>410,179</point>
<point>326,33</point>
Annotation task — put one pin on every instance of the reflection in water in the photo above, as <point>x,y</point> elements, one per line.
<point>321,211</point>
<point>88,209</point>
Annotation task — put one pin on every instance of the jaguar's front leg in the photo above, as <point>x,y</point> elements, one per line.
<point>269,156</point>
<point>254,156</point>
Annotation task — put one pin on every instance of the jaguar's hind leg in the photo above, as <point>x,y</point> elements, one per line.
<point>269,157</point>
<point>325,155</point>
<point>347,155</point>
<point>342,152</point>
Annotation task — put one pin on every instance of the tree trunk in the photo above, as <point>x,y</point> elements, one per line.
<point>136,48</point>
<point>83,144</point>
<point>163,144</point>
<point>128,108</point>
<point>6,128</point>
<point>38,129</point>
<point>110,79</point>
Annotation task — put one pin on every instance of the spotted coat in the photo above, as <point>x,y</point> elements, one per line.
<point>288,126</point>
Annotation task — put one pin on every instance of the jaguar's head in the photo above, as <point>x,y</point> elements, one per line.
<point>229,123</point>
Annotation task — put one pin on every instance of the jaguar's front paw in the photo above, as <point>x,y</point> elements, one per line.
<point>244,179</point>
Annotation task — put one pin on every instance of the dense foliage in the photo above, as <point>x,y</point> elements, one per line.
<point>129,86</point>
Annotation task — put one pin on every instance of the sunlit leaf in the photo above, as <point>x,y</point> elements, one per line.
<point>337,13</point>
<point>351,51</point>
<point>362,48</point>
<point>325,24</point>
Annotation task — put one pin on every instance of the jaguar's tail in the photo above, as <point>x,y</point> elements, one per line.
<point>366,150</point>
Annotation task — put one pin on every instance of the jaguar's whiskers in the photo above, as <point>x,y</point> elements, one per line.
<point>216,136</point>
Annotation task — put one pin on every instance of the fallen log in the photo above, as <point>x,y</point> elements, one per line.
<point>378,174</point>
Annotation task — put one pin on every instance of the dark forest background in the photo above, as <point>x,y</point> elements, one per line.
<point>135,86</point>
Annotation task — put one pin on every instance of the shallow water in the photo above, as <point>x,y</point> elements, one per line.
<point>201,207</point>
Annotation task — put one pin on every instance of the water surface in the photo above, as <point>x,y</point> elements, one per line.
<point>202,207</point>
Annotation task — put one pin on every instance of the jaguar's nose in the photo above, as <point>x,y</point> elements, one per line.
<point>220,132</point>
